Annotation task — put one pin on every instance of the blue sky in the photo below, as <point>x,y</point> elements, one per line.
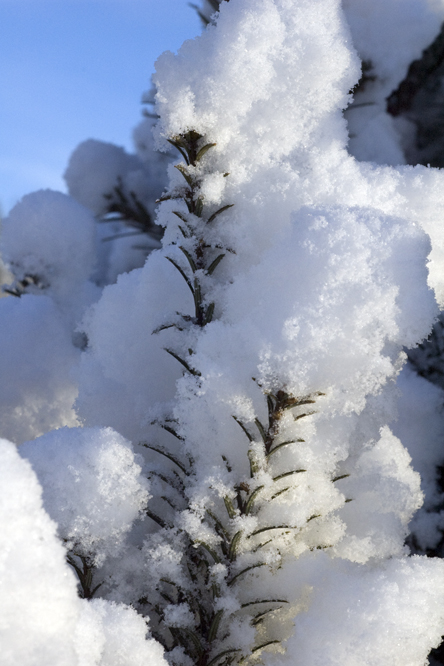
<point>71,70</point>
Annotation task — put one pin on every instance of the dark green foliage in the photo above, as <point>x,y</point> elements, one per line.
<point>85,572</point>
<point>419,75</point>
<point>420,99</point>
<point>366,77</point>
<point>20,287</point>
<point>215,4</point>
<point>125,207</point>
<point>200,257</point>
<point>428,357</point>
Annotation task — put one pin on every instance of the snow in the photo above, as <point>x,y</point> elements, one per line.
<point>139,375</point>
<point>96,168</point>
<point>379,32</point>
<point>252,58</point>
<point>107,164</point>
<point>112,183</point>
<point>331,268</point>
<point>39,606</point>
<point>49,235</point>
<point>420,427</point>
<point>92,486</point>
<point>42,620</point>
<point>37,358</point>
<point>373,616</point>
<point>109,634</point>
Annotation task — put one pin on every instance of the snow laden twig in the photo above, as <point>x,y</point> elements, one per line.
<point>216,588</point>
<point>126,207</point>
<point>202,257</point>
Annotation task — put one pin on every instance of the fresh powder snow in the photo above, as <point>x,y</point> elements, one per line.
<point>231,422</point>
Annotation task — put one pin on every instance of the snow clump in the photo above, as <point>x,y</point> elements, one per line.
<point>37,358</point>
<point>51,237</point>
<point>92,486</point>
